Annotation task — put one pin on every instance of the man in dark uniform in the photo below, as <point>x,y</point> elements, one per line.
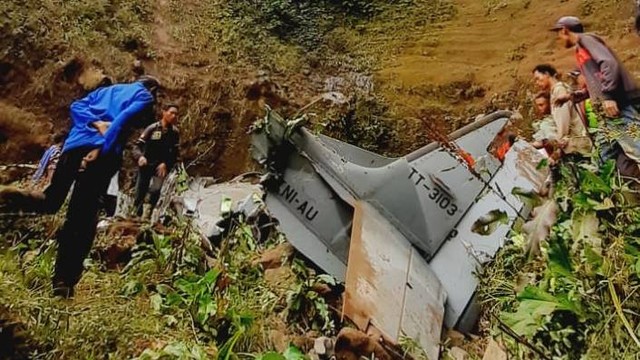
<point>91,154</point>
<point>156,152</point>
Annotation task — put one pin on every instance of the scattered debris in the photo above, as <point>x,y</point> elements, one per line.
<point>273,258</point>
<point>352,344</point>
<point>458,354</point>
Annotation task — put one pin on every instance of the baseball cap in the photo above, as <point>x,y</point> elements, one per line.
<point>569,22</point>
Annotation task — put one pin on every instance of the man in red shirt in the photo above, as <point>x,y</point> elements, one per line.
<point>610,86</point>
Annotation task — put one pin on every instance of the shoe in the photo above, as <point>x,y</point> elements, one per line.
<point>62,290</point>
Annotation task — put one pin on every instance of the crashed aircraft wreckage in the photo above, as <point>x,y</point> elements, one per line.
<point>397,231</point>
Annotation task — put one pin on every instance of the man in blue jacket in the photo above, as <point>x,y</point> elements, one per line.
<point>92,153</point>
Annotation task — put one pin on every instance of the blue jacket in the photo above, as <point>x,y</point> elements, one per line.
<point>118,104</point>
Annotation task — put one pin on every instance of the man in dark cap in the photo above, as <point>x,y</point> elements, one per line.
<point>637,23</point>
<point>91,155</point>
<point>610,87</point>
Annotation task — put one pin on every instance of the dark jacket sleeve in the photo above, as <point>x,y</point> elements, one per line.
<point>580,96</point>
<point>607,62</point>
<point>138,146</point>
<point>174,150</point>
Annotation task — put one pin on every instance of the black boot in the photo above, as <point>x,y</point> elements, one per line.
<point>62,290</point>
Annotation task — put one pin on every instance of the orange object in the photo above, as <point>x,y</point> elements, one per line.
<point>467,158</point>
<point>501,152</point>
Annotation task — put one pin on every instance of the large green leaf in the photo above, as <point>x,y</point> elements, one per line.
<point>585,230</point>
<point>530,316</point>
<point>534,310</point>
<point>559,259</point>
<point>562,301</point>
<point>592,184</point>
<point>293,353</point>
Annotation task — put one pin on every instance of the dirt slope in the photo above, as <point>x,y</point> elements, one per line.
<point>452,70</point>
<point>495,44</point>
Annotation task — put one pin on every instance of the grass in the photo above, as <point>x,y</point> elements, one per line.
<point>579,298</point>
<point>170,301</point>
<point>98,323</point>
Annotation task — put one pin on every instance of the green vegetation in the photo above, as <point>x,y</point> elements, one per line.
<point>286,35</point>
<point>45,31</point>
<point>578,299</point>
<point>171,300</point>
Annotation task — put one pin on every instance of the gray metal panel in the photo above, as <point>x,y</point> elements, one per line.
<point>446,190</point>
<point>468,250</point>
<point>381,186</point>
<point>456,262</point>
<point>469,142</point>
<point>446,187</point>
<point>423,306</point>
<point>306,241</point>
<point>312,202</point>
<point>389,286</point>
<point>355,154</point>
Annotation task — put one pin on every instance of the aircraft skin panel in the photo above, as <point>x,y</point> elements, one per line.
<point>390,289</point>
<point>309,201</point>
<point>374,213</point>
<point>446,189</point>
<point>423,307</point>
<point>467,249</point>
<point>306,241</point>
<point>457,261</point>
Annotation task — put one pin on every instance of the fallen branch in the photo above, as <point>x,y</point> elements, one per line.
<point>20,166</point>
<point>618,306</point>
<point>200,156</point>
<point>507,330</point>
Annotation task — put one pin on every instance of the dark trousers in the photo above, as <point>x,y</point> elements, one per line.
<point>78,232</point>
<point>145,175</point>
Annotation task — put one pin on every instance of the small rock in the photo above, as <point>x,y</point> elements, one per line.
<point>458,354</point>
<point>306,72</point>
<point>494,351</point>
<point>457,338</point>
<point>274,258</point>
<point>352,344</point>
<point>323,346</point>
<point>318,346</point>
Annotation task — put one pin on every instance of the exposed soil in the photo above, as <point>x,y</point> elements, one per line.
<point>478,61</point>
<point>490,47</point>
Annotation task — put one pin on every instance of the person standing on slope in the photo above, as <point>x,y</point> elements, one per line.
<point>156,151</point>
<point>571,134</point>
<point>611,88</point>
<point>91,155</point>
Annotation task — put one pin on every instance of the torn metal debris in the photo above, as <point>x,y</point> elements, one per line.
<point>398,231</point>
